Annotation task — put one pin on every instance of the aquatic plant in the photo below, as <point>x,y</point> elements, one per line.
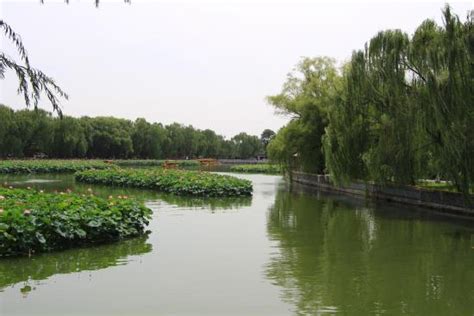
<point>154,163</point>
<point>180,182</point>
<point>50,166</point>
<point>257,168</point>
<point>33,221</point>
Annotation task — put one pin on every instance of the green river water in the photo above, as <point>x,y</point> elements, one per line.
<point>280,252</point>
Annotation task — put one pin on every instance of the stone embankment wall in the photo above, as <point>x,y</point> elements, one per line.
<point>447,202</point>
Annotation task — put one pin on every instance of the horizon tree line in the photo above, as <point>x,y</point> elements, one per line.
<point>26,133</point>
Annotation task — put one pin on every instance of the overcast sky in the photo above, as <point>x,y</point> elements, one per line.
<point>205,63</point>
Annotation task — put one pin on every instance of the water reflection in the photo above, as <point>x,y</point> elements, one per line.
<point>338,257</point>
<point>43,266</point>
<point>212,204</point>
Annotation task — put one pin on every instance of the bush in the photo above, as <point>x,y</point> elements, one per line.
<point>180,182</point>
<point>50,166</point>
<point>257,168</point>
<point>32,221</point>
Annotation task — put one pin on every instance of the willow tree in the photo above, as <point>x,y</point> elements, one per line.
<point>406,110</point>
<point>32,82</point>
<point>306,96</point>
<point>442,59</point>
<point>374,131</point>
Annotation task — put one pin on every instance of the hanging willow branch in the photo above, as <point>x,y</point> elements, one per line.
<point>32,82</point>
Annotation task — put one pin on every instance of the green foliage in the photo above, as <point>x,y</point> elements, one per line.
<point>257,168</point>
<point>32,221</point>
<point>50,166</point>
<point>148,139</point>
<point>26,133</point>
<point>154,163</point>
<point>68,139</point>
<point>406,108</point>
<point>179,182</point>
<point>307,94</point>
<point>110,137</point>
<point>246,146</point>
<point>296,146</point>
<point>266,137</point>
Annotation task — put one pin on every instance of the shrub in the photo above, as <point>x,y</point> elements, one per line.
<point>180,182</point>
<point>32,221</point>
<point>257,168</point>
<point>50,166</point>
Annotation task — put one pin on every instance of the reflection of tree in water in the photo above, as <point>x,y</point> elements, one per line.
<point>43,266</point>
<point>334,257</point>
<point>222,203</point>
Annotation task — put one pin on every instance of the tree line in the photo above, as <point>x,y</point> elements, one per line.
<point>26,133</point>
<point>400,110</point>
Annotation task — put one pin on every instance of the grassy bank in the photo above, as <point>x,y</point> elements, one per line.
<point>32,221</point>
<point>257,168</point>
<point>50,166</point>
<point>180,182</point>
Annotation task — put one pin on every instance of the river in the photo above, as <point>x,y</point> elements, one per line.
<point>280,252</point>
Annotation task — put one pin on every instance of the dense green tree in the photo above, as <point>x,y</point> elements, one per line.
<point>373,124</point>
<point>148,139</point>
<point>442,62</point>
<point>175,141</point>
<point>10,139</point>
<point>209,143</point>
<point>34,128</point>
<point>69,139</point>
<point>307,95</point>
<point>246,146</point>
<point>406,110</point>
<point>27,133</point>
<point>111,138</point>
<point>265,138</point>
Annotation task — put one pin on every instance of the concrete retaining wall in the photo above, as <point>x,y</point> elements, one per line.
<point>447,202</point>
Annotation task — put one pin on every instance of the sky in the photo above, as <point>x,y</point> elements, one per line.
<point>205,63</point>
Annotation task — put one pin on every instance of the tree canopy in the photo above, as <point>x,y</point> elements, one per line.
<point>25,133</point>
<point>400,110</point>
<point>306,97</point>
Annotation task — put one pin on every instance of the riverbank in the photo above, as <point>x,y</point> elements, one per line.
<point>451,203</point>
<point>51,165</point>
